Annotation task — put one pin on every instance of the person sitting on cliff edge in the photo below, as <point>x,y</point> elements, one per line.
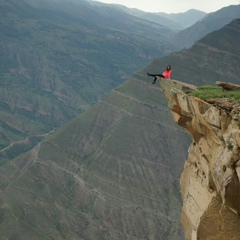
<point>166,74</point>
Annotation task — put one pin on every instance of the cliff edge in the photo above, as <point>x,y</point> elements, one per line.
<point>210,181</point>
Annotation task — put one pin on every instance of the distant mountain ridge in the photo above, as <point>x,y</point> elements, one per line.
<point>113,172</point>
<point>104,15</point>
<point>189,26</point>
<point>174,21</point>
<point>186,19</point>
<point>211,22</point>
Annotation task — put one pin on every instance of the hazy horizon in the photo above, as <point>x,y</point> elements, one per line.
<point>173,6</point>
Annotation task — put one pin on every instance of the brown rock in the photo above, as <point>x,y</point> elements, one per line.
<point>227,86</point>
<point>210,182</point>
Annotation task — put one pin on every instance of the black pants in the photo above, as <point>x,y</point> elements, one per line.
<point>155,76</point>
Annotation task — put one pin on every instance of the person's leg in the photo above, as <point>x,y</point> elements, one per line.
<point>154,80</point>
<point>153,75</point>
<point>159,75</point>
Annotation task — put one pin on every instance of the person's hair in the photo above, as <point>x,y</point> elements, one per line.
<point>168,67</point>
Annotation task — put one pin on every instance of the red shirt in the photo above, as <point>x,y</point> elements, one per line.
<point>167,74</point>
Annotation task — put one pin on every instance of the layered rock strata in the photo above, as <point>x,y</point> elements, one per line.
<point>210,181</point>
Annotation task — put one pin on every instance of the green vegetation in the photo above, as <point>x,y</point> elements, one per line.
<point>238,123</point>
<point>229,145</point>
<point>207,92</point>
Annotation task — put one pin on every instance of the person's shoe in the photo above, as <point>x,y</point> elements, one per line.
<point>154,82</point>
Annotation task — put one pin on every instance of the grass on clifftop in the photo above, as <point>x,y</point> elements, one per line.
<point>207,92</point>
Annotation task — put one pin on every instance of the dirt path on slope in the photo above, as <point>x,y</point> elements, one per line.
<point>26,140</point>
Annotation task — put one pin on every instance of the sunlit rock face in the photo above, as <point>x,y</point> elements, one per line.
<point>210,181</point>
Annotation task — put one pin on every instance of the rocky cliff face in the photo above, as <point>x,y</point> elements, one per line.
<point>210,181</point>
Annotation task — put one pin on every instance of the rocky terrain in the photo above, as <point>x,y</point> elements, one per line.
<point>210,182</point>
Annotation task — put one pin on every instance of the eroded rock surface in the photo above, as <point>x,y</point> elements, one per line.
<point>210,181</point>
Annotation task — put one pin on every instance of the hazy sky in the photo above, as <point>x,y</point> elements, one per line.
<point>175,6</point>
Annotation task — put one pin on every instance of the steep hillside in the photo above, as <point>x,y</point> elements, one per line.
<point>213,58</point>
<point>211,22</point>
<point>58,58</point>
<point>113,172</point>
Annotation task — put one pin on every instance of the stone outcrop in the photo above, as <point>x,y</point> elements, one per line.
<point>210,181</point>
<point>227,86</point>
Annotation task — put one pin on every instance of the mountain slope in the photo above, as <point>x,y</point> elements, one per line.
<point>58,58</point>
<point>113,172</point>
<point>107,16</point>
<point>105,175</point>
<point>211,22</point>
<point>213,58</point>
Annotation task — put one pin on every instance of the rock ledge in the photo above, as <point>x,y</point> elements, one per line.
<point>210,181</point>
